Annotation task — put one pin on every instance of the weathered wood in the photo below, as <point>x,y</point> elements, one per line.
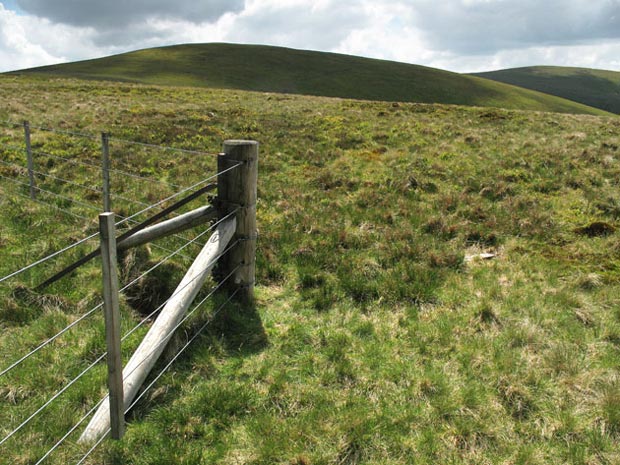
<point>29,160</point>
<point>237,190</point>
<point>154,342</point>
<point>112,323</point>
<point>165,228</point>
<point>105,168</point>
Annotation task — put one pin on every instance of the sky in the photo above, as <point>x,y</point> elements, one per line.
<point>457,35</point>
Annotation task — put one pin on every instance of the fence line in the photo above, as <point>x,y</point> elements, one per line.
<point>92,165</point>
<point>163,147</point>
<point>72,183</point>
<point>51,339</point>
<point>71,430</point>
<point>68,212</point>
<point>114,138</point>
<point>53,398</point>
<point>49,257</point>
<point>60,196</point>
<point>98,167</point>
<point>173,196</point>
<point>38,262</point>
<point>164,340</point>
<point>102,356</point>
<point>178,236</point>
<point>98,306</point>
<point>231,269</point>
<point>92,189</point>
<point>176,251</point>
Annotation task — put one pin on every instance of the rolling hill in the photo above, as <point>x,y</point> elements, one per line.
<point>592,87</point>
<point>284,70</point>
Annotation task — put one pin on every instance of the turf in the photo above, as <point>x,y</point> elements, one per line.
<point>283,70</point>
<point>592,87</point>
<point>380,335</point>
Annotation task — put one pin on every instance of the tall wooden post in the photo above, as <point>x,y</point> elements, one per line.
<point>112,323</point>
<point>105,166</point>
<point>30,161</point>
<point>237,191</point>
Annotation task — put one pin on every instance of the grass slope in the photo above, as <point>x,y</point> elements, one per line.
<point>283,70</point>
<point>593,87</point>
<point>378,337</point>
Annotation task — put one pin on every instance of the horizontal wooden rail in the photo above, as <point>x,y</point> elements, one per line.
<point>166,228</point>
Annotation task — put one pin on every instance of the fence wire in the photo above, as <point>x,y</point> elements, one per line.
<point>55,194</point>
<point>175,252</point>
<point>163,371</point>
<point>49,257</point>
<point>90,188</point>
<point>56,207</point>
<point>124,288</point>
<point>148,207</point>
<point>163,147</point>
<point>71,430</point>
<point>164,340</point>
<point>51,176</point>
<point>50,340</point>
<point>183,191</point>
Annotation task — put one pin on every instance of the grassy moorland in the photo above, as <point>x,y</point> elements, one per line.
<point>284,70</point>
<point>594,87</point>
<point>379,335</point>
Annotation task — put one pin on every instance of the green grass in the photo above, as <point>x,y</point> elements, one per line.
<point>283,70</point>
<point>378,336</point>
<point>592,87</point>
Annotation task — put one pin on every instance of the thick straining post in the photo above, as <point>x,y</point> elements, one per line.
<point>237,192</point>
<point>112,323</point>
<point>29,159</point>
<point>105,166</point>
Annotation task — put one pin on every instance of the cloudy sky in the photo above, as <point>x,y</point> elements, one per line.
<point>458,35</point>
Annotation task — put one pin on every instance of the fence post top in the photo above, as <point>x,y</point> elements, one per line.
<point>240,142</point>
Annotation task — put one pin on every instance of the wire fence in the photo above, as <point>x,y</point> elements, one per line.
<point>55,188</point>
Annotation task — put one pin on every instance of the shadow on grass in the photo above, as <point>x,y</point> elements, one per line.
<point>233,330</point>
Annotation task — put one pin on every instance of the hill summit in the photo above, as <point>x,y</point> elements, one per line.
<point>285,70</point>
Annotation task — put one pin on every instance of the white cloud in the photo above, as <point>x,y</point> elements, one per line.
<point>595,55</point>
<point>485,27</point>
<point>298,23</point>
<point>17,50</point>
<point>459,35</point>
<point>388,36</point>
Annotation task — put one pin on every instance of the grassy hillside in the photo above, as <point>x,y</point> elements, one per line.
<point>379,335</point>
<point>593,87</point>
<point>283,70</point>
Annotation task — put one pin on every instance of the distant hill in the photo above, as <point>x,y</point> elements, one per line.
<point>284,70</point>
<point>592,87</point>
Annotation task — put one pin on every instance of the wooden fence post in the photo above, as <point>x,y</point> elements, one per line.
<point>30,161</point>
<point>112,323</point>
<point>105,166</point>
<point>237,191</point>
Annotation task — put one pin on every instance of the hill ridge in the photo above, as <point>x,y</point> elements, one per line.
<point>286,70</point>
<point>593,87</point>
